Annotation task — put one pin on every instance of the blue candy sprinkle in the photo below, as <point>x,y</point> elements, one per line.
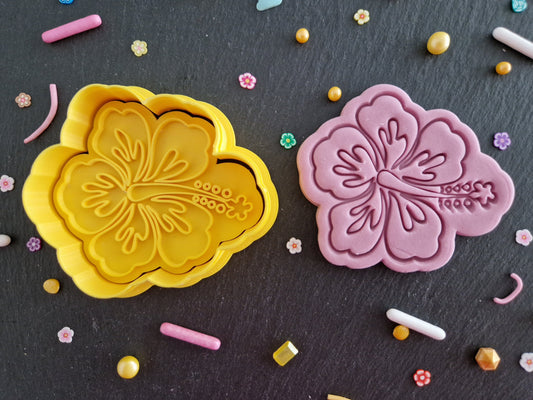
<point>263,5</point>
<point>519,5</point>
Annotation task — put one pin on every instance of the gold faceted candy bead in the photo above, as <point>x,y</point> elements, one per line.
<point>487,359</point>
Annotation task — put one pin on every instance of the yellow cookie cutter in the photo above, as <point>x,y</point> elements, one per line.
<point>146,190</point>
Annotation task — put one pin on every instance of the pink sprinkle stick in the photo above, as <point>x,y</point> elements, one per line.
<point>190,336</point>
<point>72,28</point>
<point>51,114</point>
<point>512,296</point>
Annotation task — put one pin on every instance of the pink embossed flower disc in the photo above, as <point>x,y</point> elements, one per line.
<point>395,183</point>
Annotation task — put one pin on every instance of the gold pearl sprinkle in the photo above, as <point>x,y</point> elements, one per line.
<point>401,332</point>
<point>503,68</point>
<point>128,367</point>
<point>51,286</point>
<point>334,94</point>
<point>302,35</point>
<point>438,43</point>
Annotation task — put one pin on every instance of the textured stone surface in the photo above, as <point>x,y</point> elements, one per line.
<point>265,295</point>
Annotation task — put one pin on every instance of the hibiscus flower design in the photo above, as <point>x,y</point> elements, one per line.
<point>159,194</point>
<point>395,183</point>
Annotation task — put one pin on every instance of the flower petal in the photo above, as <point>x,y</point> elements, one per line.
<point>391,128</point>
<point>121,135</point>
<point>185,237</point>
<point>126,249</point>
<point>437,156</point>
<point>357,226</point>
<point>415,233</point>
<point>102,193</point>
<point>345,163</point>
<point>180,149</point>
<point>477,201</point>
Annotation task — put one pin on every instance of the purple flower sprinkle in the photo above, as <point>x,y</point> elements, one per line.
<point>34,244</point>
<point>502,140</point>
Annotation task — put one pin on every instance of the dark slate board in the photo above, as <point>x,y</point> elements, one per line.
<point>264,296</point>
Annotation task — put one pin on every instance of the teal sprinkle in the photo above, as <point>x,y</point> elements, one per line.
<point>287,140</point>
<point>519,5</point>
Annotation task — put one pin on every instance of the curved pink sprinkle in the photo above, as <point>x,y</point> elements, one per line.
<point>512,296</point>
<point>51,114</point>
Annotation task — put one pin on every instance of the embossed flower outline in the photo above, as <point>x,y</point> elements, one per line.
<point>146,189</point>
<point>395,183</point>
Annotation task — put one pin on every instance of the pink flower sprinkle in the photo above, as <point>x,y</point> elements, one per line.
<point>422,378</point>
<point>523,237</point>
<point>34,244</point>
<point>23,100</point>
<point>247,81</point>
<point>65,335</point>
<point>6,183</point>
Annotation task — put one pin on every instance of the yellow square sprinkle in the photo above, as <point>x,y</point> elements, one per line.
<point>285,353</point>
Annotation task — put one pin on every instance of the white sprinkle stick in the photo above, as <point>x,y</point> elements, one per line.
<point>514,41</point>
<point>416,324</point>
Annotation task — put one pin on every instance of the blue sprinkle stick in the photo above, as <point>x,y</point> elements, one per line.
<point>263,5</point>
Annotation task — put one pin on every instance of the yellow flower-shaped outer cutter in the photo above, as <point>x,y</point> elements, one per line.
<point>146,190</point>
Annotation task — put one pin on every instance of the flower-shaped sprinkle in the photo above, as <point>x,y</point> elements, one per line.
<point>34,244</point>
<point>294,245</point>
<point>6,183</point>
<point>23,100</point>
<point>422,378</point>
<point>502,140</point>
<point>139,48</point>
<point>523,237</point>
<point>65,335</point>
<point>519,5</point>
<point>526,362</point>
<point>361,16</point>
<point>247,81</point>
<point>287,140</point>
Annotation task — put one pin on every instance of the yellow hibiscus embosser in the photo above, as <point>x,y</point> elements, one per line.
<point>146,190</point>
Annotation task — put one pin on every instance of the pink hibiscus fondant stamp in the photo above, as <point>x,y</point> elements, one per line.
<point>395,183</point>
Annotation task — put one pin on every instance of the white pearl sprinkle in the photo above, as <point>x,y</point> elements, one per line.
<point>4,240</point>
